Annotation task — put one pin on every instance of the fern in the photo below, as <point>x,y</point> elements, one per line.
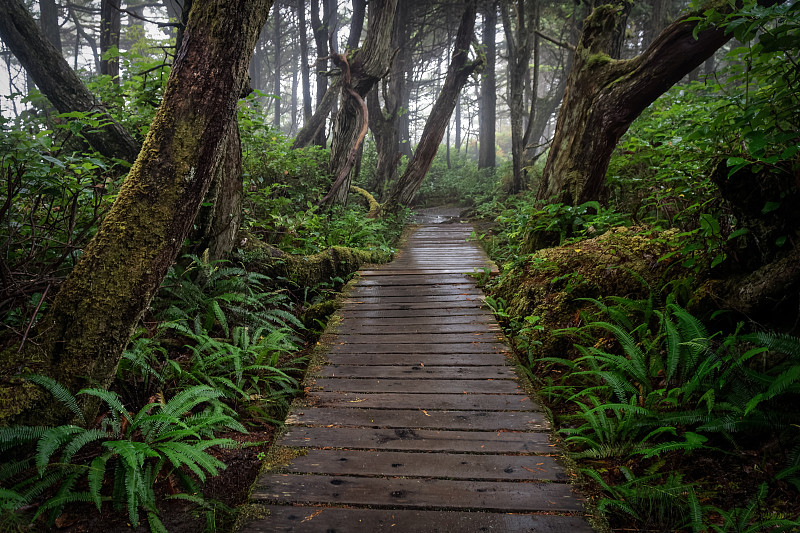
<point>59,392</point>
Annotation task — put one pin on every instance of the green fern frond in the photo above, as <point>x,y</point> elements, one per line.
<point>52,441</point>
<point>111,399</point>
<point>59,392</point>
<point>79,441</point>
<point>20,435</point>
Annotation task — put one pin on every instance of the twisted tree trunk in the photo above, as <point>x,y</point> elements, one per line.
<point>361,72</point>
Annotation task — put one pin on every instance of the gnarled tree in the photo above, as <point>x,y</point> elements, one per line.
<point>361,71</point>
<point>604,95</point>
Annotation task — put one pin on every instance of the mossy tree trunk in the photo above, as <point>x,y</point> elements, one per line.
<point>460,69</point>
<point>85,331</point>
<point>604,95</point>
<point>58,82</point>
<point>361,71</point>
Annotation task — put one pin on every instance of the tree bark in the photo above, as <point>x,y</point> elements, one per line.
<point>320,25</point>
<point>360,74</point>
<point>85,331</point>
<point>277,70</point>
<point>604,95</point>
<point>487,156</point>
<point>405,189</point>
<point>57,81</point>
<point>220,217</point>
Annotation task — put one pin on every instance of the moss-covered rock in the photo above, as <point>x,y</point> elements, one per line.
<point>551,282</point>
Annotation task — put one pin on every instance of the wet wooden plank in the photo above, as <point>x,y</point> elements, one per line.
<point>424,440</point>
<point>400,270</point>
<point>483,320</point>
<point>464,348</point>
<point>434,465</point>
<point>306,519</point>
<point>418,290</point>
<point>420,419</point>
<point>412,307</point>
<point>411,296</point>
<point>418,493</point>
<point>442,386</point>
<point>417,372</point>
<point>426,338</point>
<point>466,402</point>
<point>417,359</point>
<point>418,313</point>
<point>370,327</point>
<point>422,279</point>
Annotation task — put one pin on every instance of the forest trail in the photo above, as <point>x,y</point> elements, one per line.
<point>417,421</point>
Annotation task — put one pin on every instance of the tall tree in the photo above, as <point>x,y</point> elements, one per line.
<point>57,81</point>
<point>305,70</point>
<point>460,69</point>
<point>605,95</point>
<point>48,20</point>
<point>518,24</point>
<point>386,106</point>
<point>361,71</point>
<point>102,300</point>
<point>109,37</point>
<point>487,155</point>
<point>277,70</point>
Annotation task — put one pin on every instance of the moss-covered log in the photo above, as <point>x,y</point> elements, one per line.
<point>306,270</point>
<point>82,336</point>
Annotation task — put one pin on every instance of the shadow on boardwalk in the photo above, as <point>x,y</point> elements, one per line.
<point>418,422</point>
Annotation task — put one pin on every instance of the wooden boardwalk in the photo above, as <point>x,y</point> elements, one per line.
<point>418,422</point>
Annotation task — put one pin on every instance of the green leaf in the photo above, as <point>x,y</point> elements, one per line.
<point>769,207</point>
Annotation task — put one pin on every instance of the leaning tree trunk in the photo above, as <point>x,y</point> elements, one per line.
<point>405,189</point>
<point>605,95</point>
<point>85,331</point>
<point>58,82</point>
<point>360,74</point>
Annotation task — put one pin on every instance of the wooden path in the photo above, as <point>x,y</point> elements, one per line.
<point>418,422</point>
